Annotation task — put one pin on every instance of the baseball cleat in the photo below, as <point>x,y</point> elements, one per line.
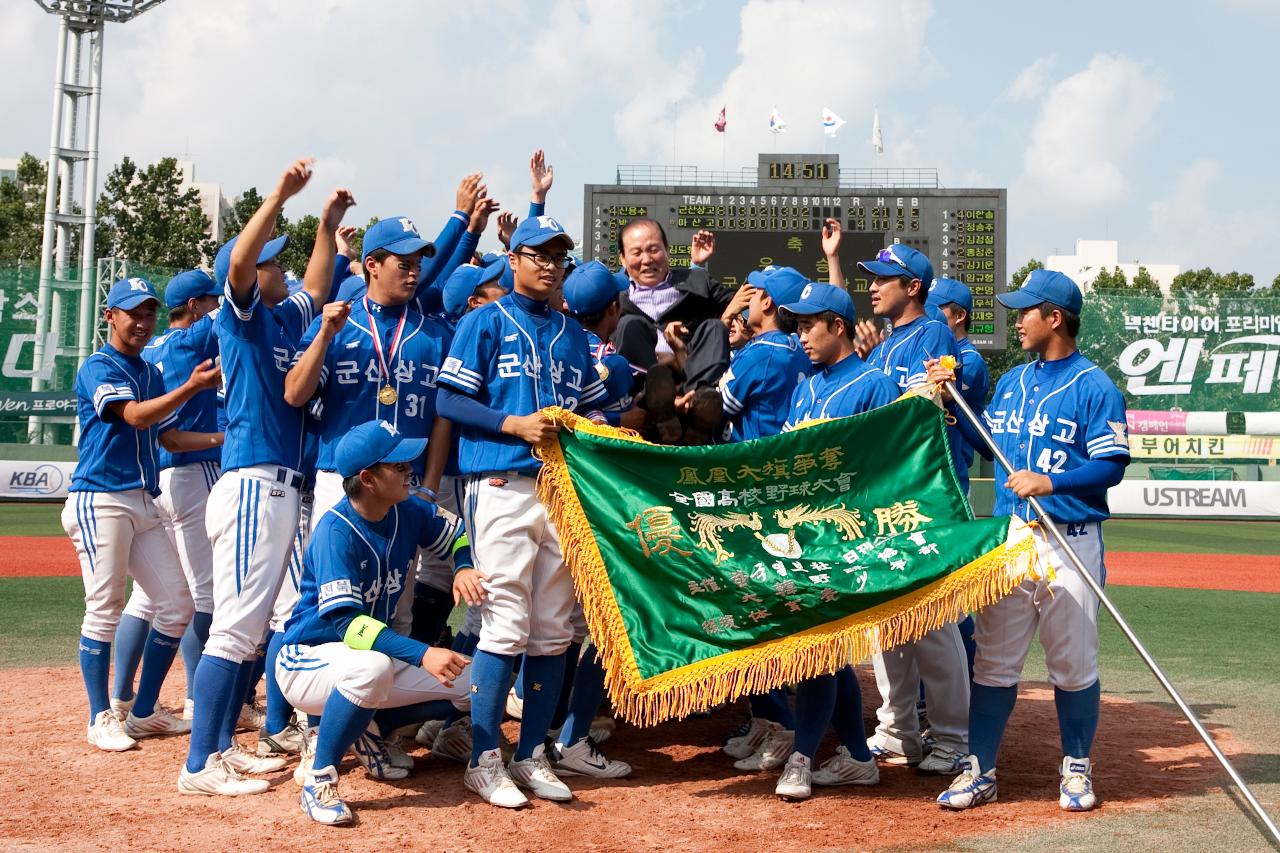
<point>320,800</point>
<point>604,721</point>
<point>188,709</point>
<point>305,757</point>
<point>796,780</point>
<point>121,708</point>
<point>219,779</point>
<point>772,754</point>
<point>843,769</point>
<point>241,760</point>
<point>399,758</point>
<point>744,742</point>
<point>888,756</point>
<point>161,722</point>
<point>287,741</point>
<point>107,733</point>
<point>455,741</point>
<point>490,779</point>
<point>941,762</point>
<point>515,705</point>
<point>584,758</point>
<point>971,788</point>
<point>428,731</point>
<point>371,750</point>
<point>251,718</point>
<point>1075,791</point>
<point>535,773</point>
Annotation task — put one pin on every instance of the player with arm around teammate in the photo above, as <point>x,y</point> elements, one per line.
<point>111,513</point>
<point>1061,421</point>
<point>341,659</point>
<point>843,385</point>
<point>510,359</point>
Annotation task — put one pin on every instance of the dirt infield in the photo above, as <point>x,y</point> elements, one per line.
<point>684,794</point>
<point>54,556</point>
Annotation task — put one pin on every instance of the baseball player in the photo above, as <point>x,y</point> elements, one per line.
<point>185,480</point>
<point>1061,421</point>
<point>511,358</point>
<point>111,513</point>
<point>844,385</point>
<point>898,292</point>
<point>342,660</point>
<point>954,300</point>
<point>253,510</point>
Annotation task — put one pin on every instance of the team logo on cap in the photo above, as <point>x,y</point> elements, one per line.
<point>804,294</point>
<point>391,431</point>
<point>548,222</point>
<point>138,285</point>
<point>408,226</point>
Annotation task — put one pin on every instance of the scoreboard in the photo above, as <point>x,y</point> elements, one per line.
<point>779,220</point>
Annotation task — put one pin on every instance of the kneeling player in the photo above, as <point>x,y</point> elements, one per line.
<point>341,660</point>
<point>1062,417</point>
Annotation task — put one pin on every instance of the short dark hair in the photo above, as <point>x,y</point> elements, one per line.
<point>590,321</point>
<point>351,486</point>
<point>636,223</point>
<point>179,312</point>
<point>922,295</point>
<point>378,255</point>
<point>1070,319</point>
<point>785,320</point>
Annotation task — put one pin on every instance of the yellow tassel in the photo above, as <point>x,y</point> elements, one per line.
<point>816,651</point>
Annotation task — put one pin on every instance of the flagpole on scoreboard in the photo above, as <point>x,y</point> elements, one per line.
<point>1078,565</point>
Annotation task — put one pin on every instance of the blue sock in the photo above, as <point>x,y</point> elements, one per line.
<point>542,676</point>
<point>390,719</point>
<point>966,637</point>
<point>588,693</point>
<point>815,703</point>
<point>1078,718</point>
<point>131,638</point>
<point>490,681</point>
<point>193,640</point>
<point>342,723</point>
<point>157,657</point>
<point>259,666</point>
<point>518,669</point>
<point>313,721</point>
<point>773,706</point>
<point>95,667</point>
<point>215,681</point>
<point>847,717</point>
<point>468,646</point>
<point>989,710</point>
<point>566,685</point>
<point>227,729</point>
<point>279,711</point>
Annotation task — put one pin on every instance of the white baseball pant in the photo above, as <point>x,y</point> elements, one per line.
<point>118,534</point>
<point>249,510</point>
<point>291,586</point>
<point>938,660</point>
<point>308,675</point>
<point>530,597</point>
<point>1064,609</point>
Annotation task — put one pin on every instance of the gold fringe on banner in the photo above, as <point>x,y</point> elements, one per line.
<point>818,650</point>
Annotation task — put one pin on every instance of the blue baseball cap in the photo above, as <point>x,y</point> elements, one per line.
<point>946,291</point>
<point>538,231</point>
<point>784,285</point>
<point>816,298</point>
<point>222,262</point>
<point>463,283</point>
<point>191,284</point>
<point>508,274</point>
<point>591,288</point>
<point>398,235</point>
<point>373,442</point>
<point>899,260</point>
<point>129,293</point>
<point>352,287</point>
<point>756,278</point>
<point>1045,286</point>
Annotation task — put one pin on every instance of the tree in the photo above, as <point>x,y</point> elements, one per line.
<point>1114,280</point>
<point>22,212</point>
<point>233,221</point>
<point>144,215</point>
<point>1275,283</point>
<point>1143,283</point>
<point>1207,281</point>
<point>1012,355</point>
<point>302,239</point>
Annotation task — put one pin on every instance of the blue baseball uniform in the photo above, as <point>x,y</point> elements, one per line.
<point>848,387</point>
<point>973,381</point>
<point>617,375</point>
<point>760,381</point>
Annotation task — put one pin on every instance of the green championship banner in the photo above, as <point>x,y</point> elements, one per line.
<point>707,573</point>
<point>1194,352</point>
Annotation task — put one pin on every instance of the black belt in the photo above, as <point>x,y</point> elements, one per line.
<point>289,478</point>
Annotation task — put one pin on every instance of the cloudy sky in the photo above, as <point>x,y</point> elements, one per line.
<point>1145,122</point>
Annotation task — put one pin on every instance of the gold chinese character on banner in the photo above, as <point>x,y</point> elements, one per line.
<point>903,516</point>
<point>657,531</point>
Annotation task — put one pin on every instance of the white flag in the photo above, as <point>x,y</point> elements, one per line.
<point>831,122</point>
<point>876,139</point>
<point>776,123</point>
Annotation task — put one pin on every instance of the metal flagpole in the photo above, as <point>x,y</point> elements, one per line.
<point>1079,566</point>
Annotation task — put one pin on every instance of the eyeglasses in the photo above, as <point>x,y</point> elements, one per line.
<point>547,261</point>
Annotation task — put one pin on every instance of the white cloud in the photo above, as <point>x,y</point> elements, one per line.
<point>1032,81</point>
<point>1186,209</point>
<point>1090,123</point>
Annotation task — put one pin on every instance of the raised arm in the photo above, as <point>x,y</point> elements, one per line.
<point>831,248</point>
<point>257,231</point>
<point>318,281</point>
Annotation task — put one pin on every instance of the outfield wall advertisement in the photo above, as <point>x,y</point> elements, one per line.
<point>34,480</point>
<point>1186,498</point>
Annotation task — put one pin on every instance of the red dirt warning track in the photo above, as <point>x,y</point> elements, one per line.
<point>54,556</point>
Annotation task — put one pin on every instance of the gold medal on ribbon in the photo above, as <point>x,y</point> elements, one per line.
<point>387,395</point>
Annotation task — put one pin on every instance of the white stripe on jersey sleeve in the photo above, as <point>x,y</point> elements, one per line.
<point>441,545</point>
<point>168,423</point>
<point>593,393</point>
<point>732,406</point>
<point>244,314</point>
<point>306,306</point>
<point>107,393</point>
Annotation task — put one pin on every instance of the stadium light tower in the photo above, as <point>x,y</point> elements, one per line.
<point>73,147</point>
